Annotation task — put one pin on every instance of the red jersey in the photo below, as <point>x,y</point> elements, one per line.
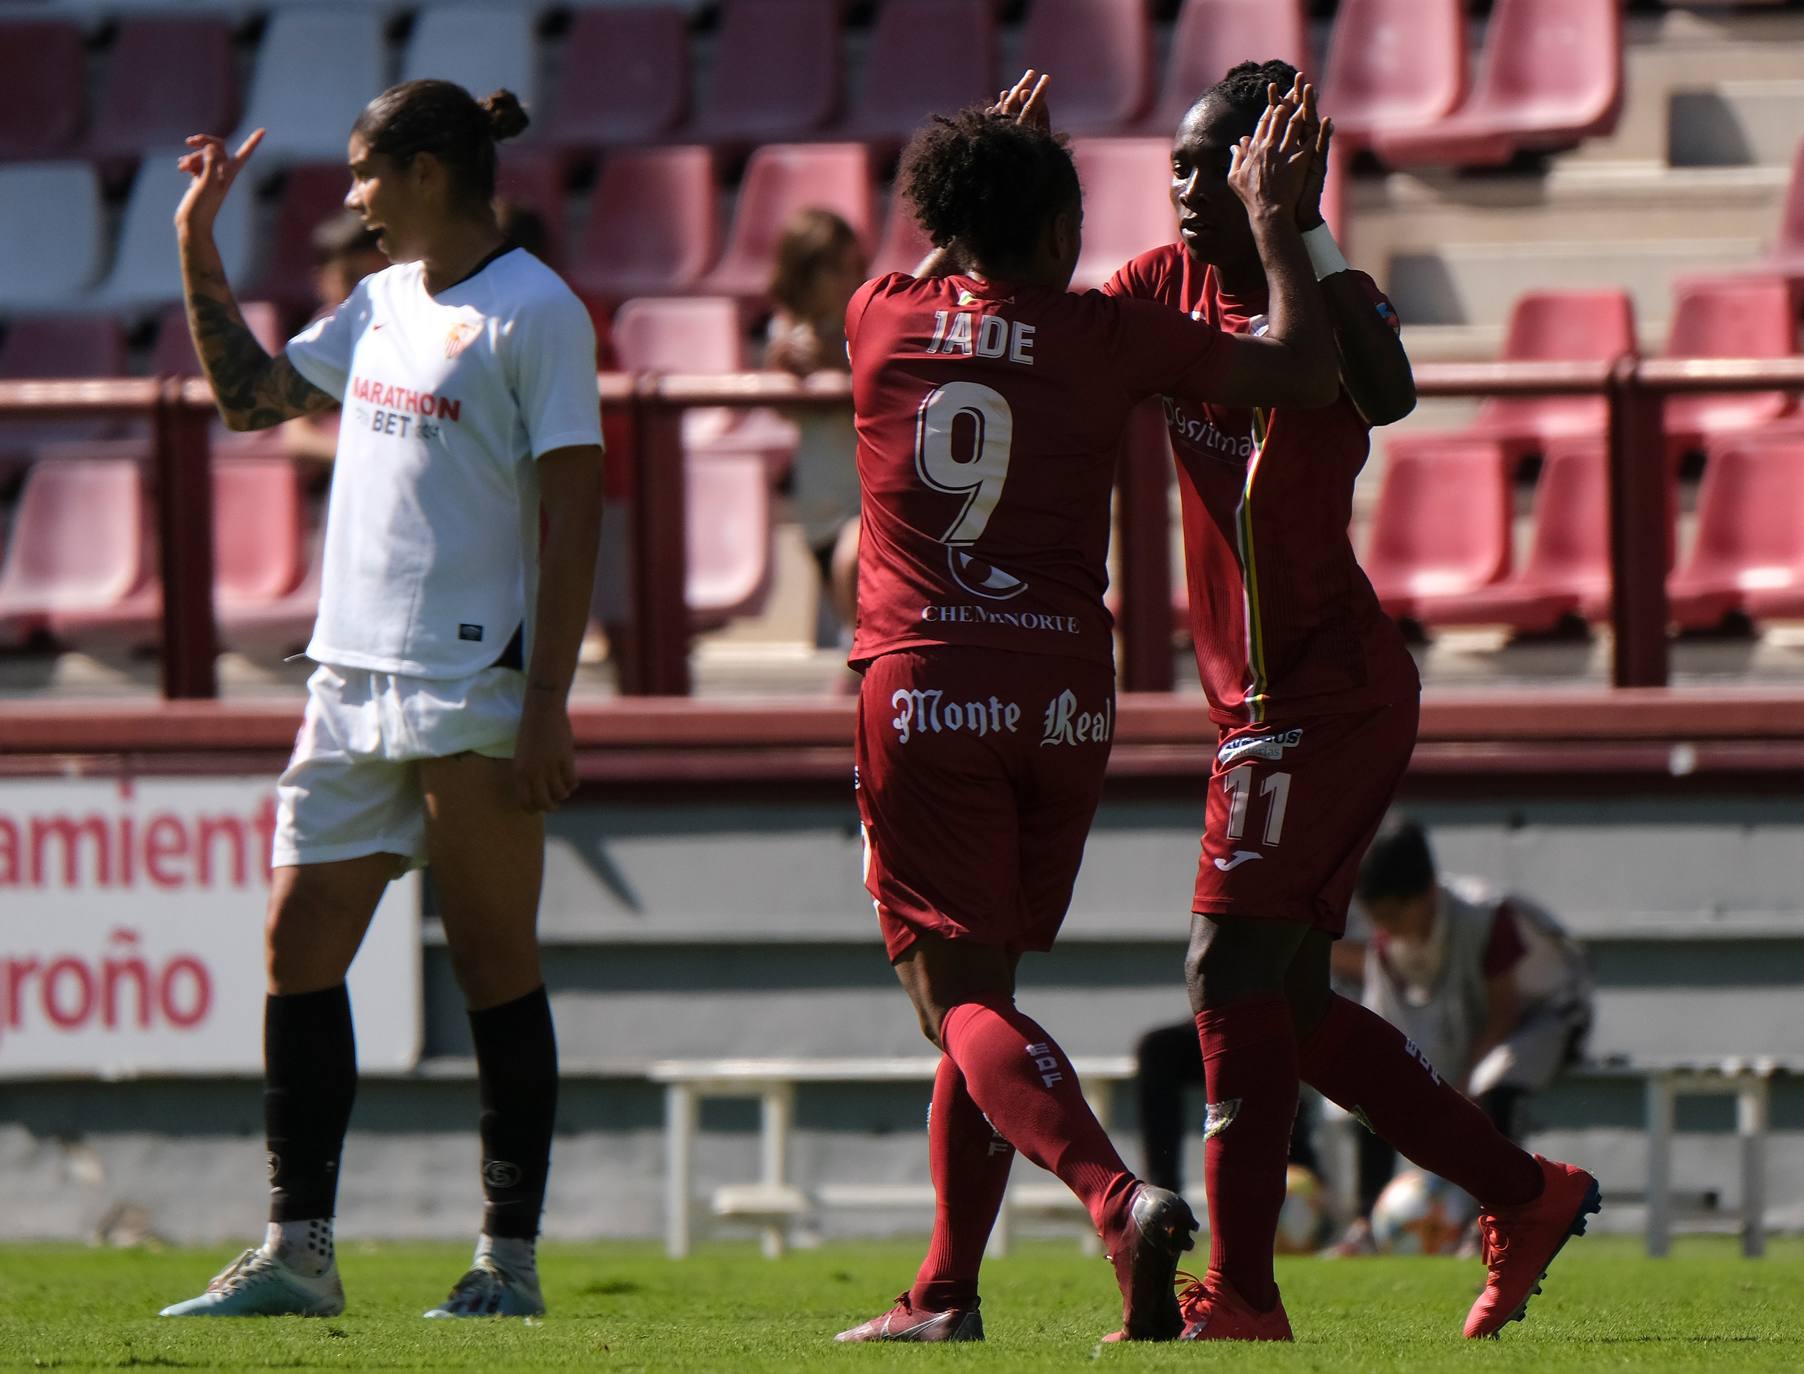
<point>989,420</point>
<point>1285,622</point>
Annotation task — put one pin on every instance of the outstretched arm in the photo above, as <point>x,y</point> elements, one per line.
<point>252,389</point>
<point>1373,366</point>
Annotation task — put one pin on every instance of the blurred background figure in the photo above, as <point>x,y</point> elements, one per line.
<point>819,265</point>
<point>1488,986</point>
<point>344,253</point>
<point>524,227</point>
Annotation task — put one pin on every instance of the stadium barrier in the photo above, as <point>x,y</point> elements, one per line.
<point>655,658</point>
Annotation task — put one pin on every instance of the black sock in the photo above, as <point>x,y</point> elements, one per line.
<point>516,1064</point>
<point>310,1080</point>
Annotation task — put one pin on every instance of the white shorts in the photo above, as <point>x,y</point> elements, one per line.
<point>352,786</point>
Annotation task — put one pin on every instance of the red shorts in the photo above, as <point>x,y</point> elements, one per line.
<point>1292,809</point>
<point>978,774</point>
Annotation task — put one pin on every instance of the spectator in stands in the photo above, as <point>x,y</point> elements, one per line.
<point>460,553</point>
<point>1488,987</point>
<point>819,266</point>
<point>344,253</point>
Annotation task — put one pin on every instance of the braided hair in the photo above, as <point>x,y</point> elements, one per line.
<point>1244,89</point>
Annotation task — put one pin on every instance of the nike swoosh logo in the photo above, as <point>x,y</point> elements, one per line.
<point>1240,857</point>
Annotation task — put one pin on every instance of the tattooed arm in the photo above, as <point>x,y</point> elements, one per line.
<point>253,390</point>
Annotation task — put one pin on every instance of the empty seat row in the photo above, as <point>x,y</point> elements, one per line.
<point>1754,316</point>
<point>1439,550</point>
<point>1394,74</point>
<point>652,224</point>
<point>81,563</point>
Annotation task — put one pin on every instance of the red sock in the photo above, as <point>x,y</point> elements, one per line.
<point>1024,1083</point>
<point>1250,1068</point>
<point>970,1174</point>
<point>1359,1061</point>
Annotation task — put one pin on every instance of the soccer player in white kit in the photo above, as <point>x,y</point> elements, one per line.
<point>436,728</point>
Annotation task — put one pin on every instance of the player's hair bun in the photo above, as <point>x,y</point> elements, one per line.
<point>506,115</point>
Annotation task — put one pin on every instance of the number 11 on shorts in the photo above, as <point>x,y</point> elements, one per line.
<point>1239,784</point>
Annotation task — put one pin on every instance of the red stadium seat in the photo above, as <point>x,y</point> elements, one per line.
<point>1788,253</point>
<point>1550,77</point>
<point>927,57</point>
<point>1441,530</point>
<point>679,334</point>
<point>652,225</point>
<point>1127,203</point>
<point>1729,317</point>
<point>1550,326</point>
<point>1547,326</point>
<point>776,73</point>
<point>259,552</point>
<point>311,194</point>
<point>1567,570</point>
<point>1748,554</point>
<point>80,542</point>
<point>43,71</point>
<point>729,535</point>
<point>702,334</point>
<point>41,346</point>
<point>626,77</point>
<point>1210,37</point>
<point>166,78</point>
<point>1100,53</point>
<point>779,180</point>
<point>1393,64</point>
<point>904,243</point>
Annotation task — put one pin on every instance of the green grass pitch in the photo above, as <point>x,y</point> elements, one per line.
<point>626,1307</point>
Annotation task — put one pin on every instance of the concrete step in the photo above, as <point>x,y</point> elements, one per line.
<point>1735,123</point>
<point>1466,283</point>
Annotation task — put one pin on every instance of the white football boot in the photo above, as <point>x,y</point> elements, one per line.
<point>489,1290</point>
<point>259,1284</point>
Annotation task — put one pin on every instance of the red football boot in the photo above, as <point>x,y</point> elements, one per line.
<point>1520,1242</point>
<point>1213,1310</point>
<point>1155,1228</point>
<point>903,1323</point>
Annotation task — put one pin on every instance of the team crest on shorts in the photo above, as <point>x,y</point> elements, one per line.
<point>460,336</point>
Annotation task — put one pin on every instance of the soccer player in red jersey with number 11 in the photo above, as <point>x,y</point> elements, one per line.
<point>1316,699</point>
<point>989,408</point>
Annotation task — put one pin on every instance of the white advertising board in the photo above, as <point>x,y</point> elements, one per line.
<point>131,931</point>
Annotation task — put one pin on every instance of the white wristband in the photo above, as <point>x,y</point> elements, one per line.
<point>1324,253</point>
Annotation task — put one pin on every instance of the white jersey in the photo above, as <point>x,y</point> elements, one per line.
<point>432,530</point>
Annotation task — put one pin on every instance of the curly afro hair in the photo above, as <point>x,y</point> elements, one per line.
<point>985,186</point>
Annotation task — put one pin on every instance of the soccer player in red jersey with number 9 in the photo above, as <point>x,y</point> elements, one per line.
<point>1316,699</point>
<point>989,406</point>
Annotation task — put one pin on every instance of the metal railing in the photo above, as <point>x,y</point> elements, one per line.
<point>654,657</point>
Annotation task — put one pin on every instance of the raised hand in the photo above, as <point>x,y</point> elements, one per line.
<point>1271,168</point>
<point>1026,101</point>
<point>1309,207</point>
<point>212,171</point>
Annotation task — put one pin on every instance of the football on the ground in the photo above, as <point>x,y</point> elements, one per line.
<point>1303,1224</point>
<point>1419,1214</point>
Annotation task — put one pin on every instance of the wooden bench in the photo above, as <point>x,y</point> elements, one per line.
<point>778,1202</point>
